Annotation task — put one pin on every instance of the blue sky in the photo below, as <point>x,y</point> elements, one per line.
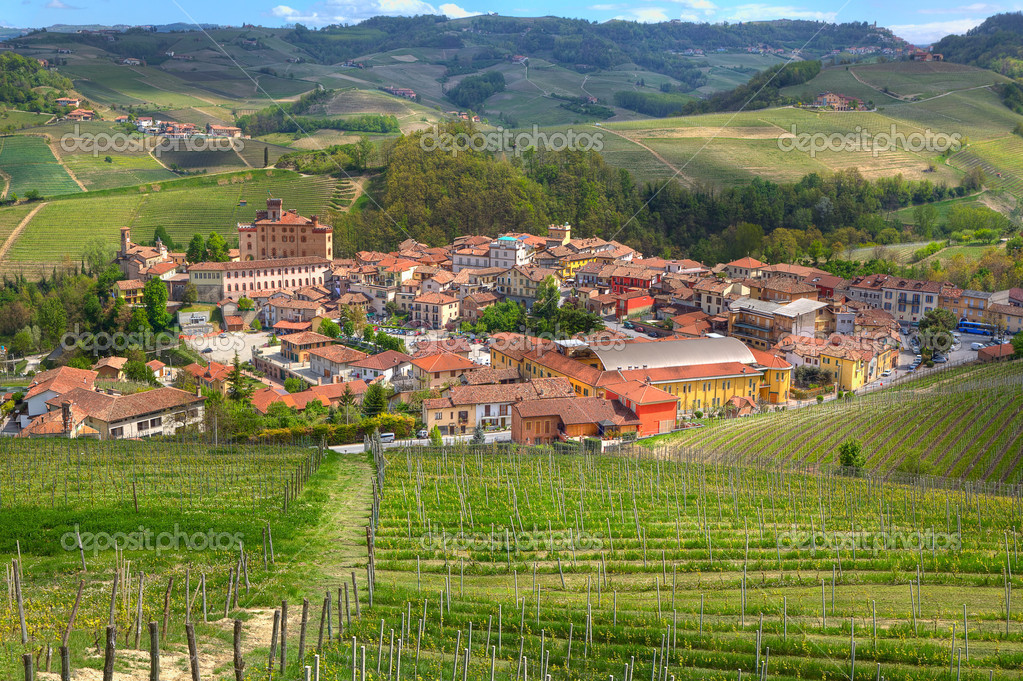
<point>917,22</point>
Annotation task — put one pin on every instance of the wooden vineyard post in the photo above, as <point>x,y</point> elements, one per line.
<point>108,654</point>
<point>302,628</point>
<point>26,660</point>
<point>21,602</point>
<point>239,661</point>
<point>193,653</point>
<point>65,664</point>
<point>74,612</point>
<point>166,606</point>
<point>154,652</point>
<point>273,645</point>
<point>284,636</point>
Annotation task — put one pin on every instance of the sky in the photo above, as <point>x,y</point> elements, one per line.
<point>918,22</point>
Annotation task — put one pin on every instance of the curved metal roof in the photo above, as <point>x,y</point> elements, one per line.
<point>673,353</point>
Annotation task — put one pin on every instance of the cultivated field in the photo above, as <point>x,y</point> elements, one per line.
<point>59,233</point>
<point>30,164</point>
<point>963,422</point>
<point>183,514</point>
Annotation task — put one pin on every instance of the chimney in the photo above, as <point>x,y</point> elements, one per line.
<point>65,413</point>
<point>316,221</point>
<point>198,391</point>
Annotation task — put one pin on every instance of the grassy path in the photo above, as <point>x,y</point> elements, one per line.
<point>17,230</point>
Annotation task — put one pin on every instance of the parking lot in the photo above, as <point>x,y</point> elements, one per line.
<point>223,347</point>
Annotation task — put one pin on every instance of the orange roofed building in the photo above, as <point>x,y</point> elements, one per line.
<point>277,233</point>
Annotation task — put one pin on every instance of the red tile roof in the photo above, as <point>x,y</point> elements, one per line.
<point>61,380</point>
<point>382,360</point>
<point>444,361</point>
<point>339,354</point>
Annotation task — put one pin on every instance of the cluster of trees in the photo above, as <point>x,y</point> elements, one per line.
<point>337,43</point>
<point>547,316</point>
<point>998,41</point>
<point>436,196</point>
<point>472,91</point>
<point>276,119</point>
<point>657,104</point>
<point>20,75</point>
<point>213,249</point>
<point>329,160</point>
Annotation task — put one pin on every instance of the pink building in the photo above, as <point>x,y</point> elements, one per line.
<point>215,281</point>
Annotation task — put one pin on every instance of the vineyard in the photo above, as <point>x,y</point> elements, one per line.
<point>31,165</point>
<point>60,232</point>
<point>961,422</point>
<point>186,513</point>
<point>504,563</point>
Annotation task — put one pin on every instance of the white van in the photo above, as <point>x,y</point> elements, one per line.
<point>976,346</point>
<point>387,437</point>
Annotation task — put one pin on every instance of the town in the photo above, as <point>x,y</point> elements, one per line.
<point>445,333</point>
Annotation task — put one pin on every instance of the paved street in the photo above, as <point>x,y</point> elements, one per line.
<point>224,346</point>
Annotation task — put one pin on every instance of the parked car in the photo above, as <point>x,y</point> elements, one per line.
<point>422,434</point>
<point>653,334</point>
<point>939,359</point>
<point>628,325</point>
<point>205,350</point>
<point>387,437</point>
<point>976,346</point>
<point>886,373</point>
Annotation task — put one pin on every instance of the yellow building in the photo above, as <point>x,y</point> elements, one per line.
<point>853,361</point>
<point>704,373</point>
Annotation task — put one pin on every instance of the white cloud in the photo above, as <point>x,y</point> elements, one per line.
<point>608,7</point>
<point>920,34</point>
<point>698,6</point>
<point>762,12</point>
<point>646,15</point>
<point>975,8</point>
<point>455,12</point>
<point>57,4</point>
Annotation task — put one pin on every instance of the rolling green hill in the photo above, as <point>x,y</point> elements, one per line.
<point>962,422</point>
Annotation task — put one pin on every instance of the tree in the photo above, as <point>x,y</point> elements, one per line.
<point>329,328</point>
<point>22,345</point>
<point>478,438</point>
<point>190,295</point>
<point>137,371</point>
<point>1014,246</point>
<point>504,316</point>
<point>154,299</point>
<point>245,304</point>
<point>52,319</point>
<point>255,325</point>
<point>545,306</point>
<point>196,249</point>
<point>368,334</point>
<point>850,454</point>
<point>139,321</point>
<point>239,387</point>
<point>436,439</point>
<point>1017,345</point>
<point>216,248</point>
<point>163,236</point>
<point>97,254</point>
<point>294,385</point>
<point>374,402</point>
<point>934,323</point>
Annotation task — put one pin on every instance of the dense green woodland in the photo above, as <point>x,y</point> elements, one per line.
<point>435,196</point>
<point>18,75</point>
<point>995,44</point>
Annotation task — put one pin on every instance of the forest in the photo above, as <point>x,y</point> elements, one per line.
<point>435,196</point>
<point>19,75</point>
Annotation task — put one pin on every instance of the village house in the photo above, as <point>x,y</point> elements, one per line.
<point>744,268</point>
<point>519,284</point>
<point>464,407</point>
<point>333,362</point>
<point>434,310</point>
<point>163,411</point>
<point>46,385</point>
<point>214,376</point>
<point>434,371</point>
<point>222,130</point>
<point>389,366</point>
<point>128,289</point>
<point>541,421</point>
<point>111,368</point>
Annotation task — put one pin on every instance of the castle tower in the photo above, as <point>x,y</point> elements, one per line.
<point>274,208</point>
<point>125,240</point>
<point>562,233</point>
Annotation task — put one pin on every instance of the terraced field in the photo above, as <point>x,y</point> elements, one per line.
<point>962,422</point>
<point>30,164</point>
<point>62,228</point>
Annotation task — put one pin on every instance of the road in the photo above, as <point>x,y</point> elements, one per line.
<point>499,436</point>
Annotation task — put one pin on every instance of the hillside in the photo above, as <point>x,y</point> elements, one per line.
<point>959,422</point>
<point>996,44</point>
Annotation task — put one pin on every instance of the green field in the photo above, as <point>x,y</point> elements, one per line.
<point>30,164</point>
<point>58,233</point>
<point>200,506</point>
<point>963,422</point>
<point>10,217</point>
<point>15,120</point>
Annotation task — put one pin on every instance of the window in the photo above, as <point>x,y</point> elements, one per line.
<point>156,422</point>
<point>116,432</point>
